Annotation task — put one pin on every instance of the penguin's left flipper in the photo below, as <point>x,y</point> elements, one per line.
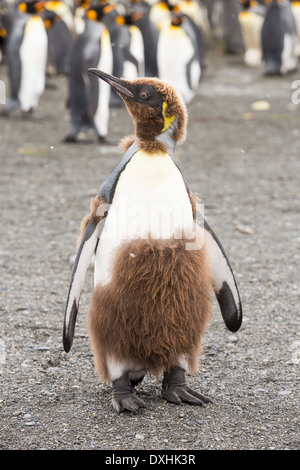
<point>83,257</point>
<point>224,282</point>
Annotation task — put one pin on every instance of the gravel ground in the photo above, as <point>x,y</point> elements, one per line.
<point>244,164</point>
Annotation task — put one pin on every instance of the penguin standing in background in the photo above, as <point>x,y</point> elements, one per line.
<point>279,39</point>
<point>149,33</point>
<point>26,52</point>
<point>127,43</point>
<point>160,13</point>
<point>226,26</point>
<point>88,99</point>
<point>80,7</point>
<point>296,13</point>
<point>60,41</point>
<point>179,56</point>
<point>197,11</point>
<point>63,11</point>
<point>3,36</point>
<point>251,21</point>
<point>157,261</point>
<point>6,19</point>
<point>134,55</point>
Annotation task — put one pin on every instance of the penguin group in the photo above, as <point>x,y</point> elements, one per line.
<point>280,51</point>
<point>267,32</point>
<point>124,38</point>
<point>166,39</point>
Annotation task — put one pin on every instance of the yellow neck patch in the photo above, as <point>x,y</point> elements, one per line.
<point>167,120</point>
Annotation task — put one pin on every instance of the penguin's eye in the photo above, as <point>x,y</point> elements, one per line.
<point>144,94</point>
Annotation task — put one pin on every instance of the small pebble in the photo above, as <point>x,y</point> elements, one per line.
<point>284,393</point>
<point>232,339</point>
<point>244,229</point>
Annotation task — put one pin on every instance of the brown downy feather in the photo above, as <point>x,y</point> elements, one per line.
<point>194,199</point>
<point>126,142</point>
<point>98,207</point>
<point>155,309</point>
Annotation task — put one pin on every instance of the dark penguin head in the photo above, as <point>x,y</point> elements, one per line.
<point>31,6</point>
<point>50,18</point>
<point>96,11</point>
<point>153,104</point>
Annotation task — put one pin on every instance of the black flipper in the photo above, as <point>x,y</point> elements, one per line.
<point>225,285</point>
<point>83,258</point>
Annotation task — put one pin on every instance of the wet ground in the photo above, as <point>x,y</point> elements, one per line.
<point>244,164</point>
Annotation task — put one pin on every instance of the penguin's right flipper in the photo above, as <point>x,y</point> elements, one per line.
<point>224,282</point>
<point>84,255</point>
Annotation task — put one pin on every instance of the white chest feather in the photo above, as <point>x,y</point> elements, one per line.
<point>150,201</point>
<point>33,55</point>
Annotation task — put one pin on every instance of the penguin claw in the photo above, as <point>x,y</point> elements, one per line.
<point>175,389</point>
<point>129,402</point>
<point>171,396</point>
<point>185,394</point>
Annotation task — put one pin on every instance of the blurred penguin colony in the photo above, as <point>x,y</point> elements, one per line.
<point>134,38</point>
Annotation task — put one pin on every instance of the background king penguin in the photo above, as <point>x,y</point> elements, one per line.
<point>157,261</point>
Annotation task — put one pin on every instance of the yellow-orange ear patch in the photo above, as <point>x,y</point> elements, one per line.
<point>91,15</point>
<point>22,7</point>
<point>167,120</point>
<point>120,20</point>
<point>47,23</point>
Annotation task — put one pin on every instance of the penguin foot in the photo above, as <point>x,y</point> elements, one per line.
<point>124,397</point>
<point>4,113</point>
<point>70,139</point>
<point>11,106</point>
<point>33,115</point>
<point>104,140</point>
<point>175,389</point>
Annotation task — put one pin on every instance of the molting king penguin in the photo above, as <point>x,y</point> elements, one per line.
<point>157,261</point>
<point>26,52</point>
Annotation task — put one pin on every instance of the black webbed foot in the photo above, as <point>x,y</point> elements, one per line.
<point>175,389</point>
<point>124,397</point>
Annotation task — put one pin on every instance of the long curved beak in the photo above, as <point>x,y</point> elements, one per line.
<point>117,84</point>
